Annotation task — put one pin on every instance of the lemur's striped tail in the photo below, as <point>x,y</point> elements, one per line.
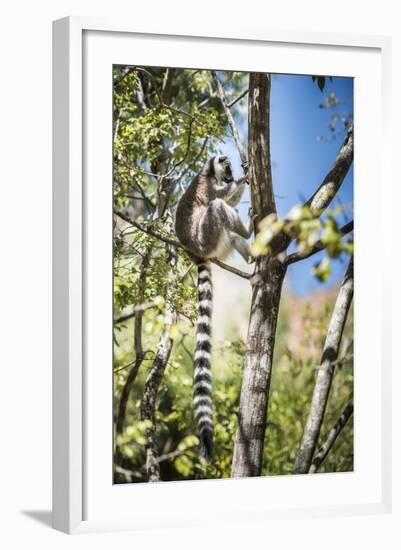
<point>202,374</point>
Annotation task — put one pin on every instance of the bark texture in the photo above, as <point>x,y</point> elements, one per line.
<point>260,176</point>
<point>266,291</point>
<point>252,418</point>
<point>325,374</point>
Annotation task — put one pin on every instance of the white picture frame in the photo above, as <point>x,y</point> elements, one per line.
<point>77,480</point>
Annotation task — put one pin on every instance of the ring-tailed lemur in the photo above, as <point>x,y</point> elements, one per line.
<point>208,227</point>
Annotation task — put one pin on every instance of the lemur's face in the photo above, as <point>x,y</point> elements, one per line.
<point>222,168</point>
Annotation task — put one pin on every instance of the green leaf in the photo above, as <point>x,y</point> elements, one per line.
<point>322,270</point>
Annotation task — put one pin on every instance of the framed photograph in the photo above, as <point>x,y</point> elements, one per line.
<point>220,339</point>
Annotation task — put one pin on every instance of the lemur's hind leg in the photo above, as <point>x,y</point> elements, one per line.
<point>229,218</point>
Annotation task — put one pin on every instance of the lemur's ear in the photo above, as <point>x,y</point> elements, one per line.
<point>210,168</point>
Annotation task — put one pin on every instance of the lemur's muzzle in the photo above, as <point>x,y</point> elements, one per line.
<point>228,173</point>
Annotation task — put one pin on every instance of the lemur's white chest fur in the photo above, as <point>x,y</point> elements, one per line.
<point>223,248</point>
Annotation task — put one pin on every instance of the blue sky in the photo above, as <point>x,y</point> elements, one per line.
<point>299,160</point>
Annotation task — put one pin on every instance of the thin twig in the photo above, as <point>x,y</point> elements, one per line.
<point>196,159</point>
<point>184,158</point>
<point>117,126</point>
<point>340,361</point>
<point>131,363</point>
<point>159,95</point>
<point>182,342</point>
<point>171,455</point>
<point>231,121</point>
<point>148,230</point>
<point>129,474</point>
<point>186,273</point>
<point>238,98</point>
<point>118,81</point>
<point>140,307</point>
<point>331,438</point>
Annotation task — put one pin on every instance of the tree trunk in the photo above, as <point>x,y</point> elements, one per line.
<point>165,344</point>
<point>325,374</point>
<point>139,353</point>
<point>266,291</point>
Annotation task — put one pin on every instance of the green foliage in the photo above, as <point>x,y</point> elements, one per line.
<point>291,391</point>
<point>322,270</point>
<point>307,230</point>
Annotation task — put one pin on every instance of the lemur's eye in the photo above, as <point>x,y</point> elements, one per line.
<point>222,159</point>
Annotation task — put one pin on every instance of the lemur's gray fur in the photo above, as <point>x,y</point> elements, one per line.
<point>208,227</point>
<point>206,224</point>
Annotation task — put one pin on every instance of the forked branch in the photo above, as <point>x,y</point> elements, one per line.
<point>325,374</point>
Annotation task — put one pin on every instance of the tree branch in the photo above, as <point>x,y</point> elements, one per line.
<point>139,308</point>
<point>321,199</point>
<point>147,230</point>
<point>331,438</point>
<point>129,475</point>
<point>297,256</point>
<point>167,85</point>
<point>124,318</point>
<point>238,98</point>
<point>231,269</point>
<point>188,147</point>
<point>118,81</point>
<point>174,242</point>
<point>231,121</point>
<point>323,196</point>
<point>159,94</point>
<point>325,374</point>
<point>194,162</point>
<point>171,455</point>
